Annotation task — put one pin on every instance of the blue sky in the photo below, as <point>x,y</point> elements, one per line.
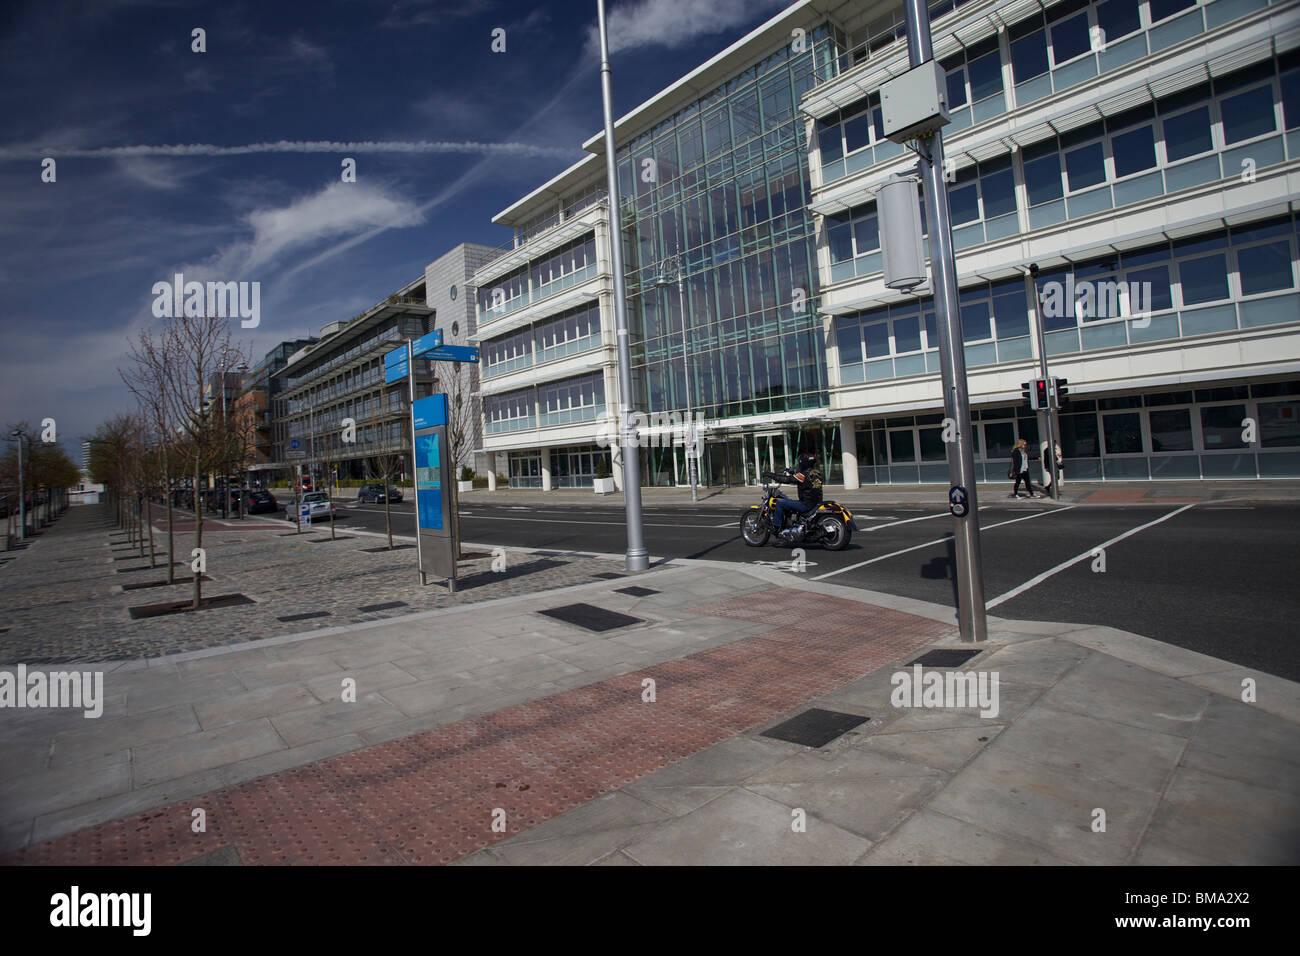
<point>154,175</point>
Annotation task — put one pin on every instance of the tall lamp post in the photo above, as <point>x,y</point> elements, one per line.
<point>636,558</point>
<point>22,496</point>
<point>669,269</point>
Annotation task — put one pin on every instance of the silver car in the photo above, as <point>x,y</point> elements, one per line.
<point>318,501</point>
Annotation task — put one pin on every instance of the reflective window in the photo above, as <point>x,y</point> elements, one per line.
<point>1070,38</point>
<point>1279,423</point>
<point>1221,426</point>
<point>1248,114</point>
<point>1171,429</point>
<point>1265,267</point>
<point>1118,18</point>
<point>1123,432</point>
<point>1160,9</point>
<point>1028,49</point>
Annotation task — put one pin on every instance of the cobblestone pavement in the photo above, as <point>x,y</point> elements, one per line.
<point>66,598</point>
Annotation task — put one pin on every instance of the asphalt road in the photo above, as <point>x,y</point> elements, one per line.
<point>1215,579</point>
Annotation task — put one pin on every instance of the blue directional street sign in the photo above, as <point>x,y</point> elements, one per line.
<point>396,372</point>
<point>454,353</point>
<point>426,343</point>
<point>396,355</point>
<point>294,444</point>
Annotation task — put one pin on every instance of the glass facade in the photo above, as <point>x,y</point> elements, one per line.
<point>724,183</point>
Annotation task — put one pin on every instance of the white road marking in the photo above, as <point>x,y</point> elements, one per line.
<point>930,544</point>
<point>1040,578</point>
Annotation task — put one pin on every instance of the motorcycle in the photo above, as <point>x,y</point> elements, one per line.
<point>829,524</point>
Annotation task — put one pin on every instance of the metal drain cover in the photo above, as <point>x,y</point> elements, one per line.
<point>815,727</point>
<point>591,617</point>
<point>636,591</point>
<point>945,657</point>
<point>607,575</point>
<point>303,617</point>
<point>396,547</point>
<point>180,607</point>
<point>382,607</point>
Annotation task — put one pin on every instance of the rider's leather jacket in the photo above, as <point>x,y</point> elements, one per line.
<point>809,484</point>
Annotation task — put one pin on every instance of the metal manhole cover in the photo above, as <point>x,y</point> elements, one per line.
<point>636,591</point>
<point>303,617</point>
<point>815,727</point>
<point>591,617</point>
<point>945,657</point>
<point>382,607</point>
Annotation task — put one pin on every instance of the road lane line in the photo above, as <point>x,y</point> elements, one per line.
<point>929,544</point>
<point>1040,578</point>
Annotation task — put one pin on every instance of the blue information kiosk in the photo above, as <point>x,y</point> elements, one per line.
<point>435,480</point>
<point>434,505</point>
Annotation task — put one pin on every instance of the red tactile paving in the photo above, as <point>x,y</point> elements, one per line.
<point>430,798</point>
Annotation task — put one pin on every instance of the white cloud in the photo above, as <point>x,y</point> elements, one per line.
<point>675,23</point>
<point>340,209</point>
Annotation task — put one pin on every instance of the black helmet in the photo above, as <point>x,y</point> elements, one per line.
<point>806,462</point>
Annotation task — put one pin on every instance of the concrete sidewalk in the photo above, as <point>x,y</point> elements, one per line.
<point>495,733</point>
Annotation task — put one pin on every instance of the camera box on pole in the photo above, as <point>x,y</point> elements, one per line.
<point>901,249</point>
<point>913,103</point>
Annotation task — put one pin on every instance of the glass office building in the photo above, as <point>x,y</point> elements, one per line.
<point>1143,153</point>
<point>1143,150</point>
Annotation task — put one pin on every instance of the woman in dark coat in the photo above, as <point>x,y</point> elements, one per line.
<point>1020,469</point>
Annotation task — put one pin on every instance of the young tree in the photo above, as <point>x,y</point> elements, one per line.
<point>464,407</point>
<point>198,349</point>
<point>147,379</point>
<point>386,463</point>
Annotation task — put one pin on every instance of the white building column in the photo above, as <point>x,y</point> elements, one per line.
<point>849,454</point>
<point>546,469</point>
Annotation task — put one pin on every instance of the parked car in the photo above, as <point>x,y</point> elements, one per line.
<point>377,493</point>
<point>260,502</point>
<point>320,503</point>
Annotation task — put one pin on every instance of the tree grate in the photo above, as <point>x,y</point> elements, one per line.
<point>636,591</point>
<point>944,657</point>
<point>815,727</point>
<point>591,617</point>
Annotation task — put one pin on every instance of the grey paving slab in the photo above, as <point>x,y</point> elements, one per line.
<point>87,814</point>
<point>941,748</point>
<point>1019,798</point>
<point>743,828</point>
<point>307,665</point>
<point>335,719</point>
<point>278,760</point>
<point>1228,821</point>
<point>1272,694</point>
<point>1127,694</point>
<point>1095,746</point>
<point>372,677</point>
<point>30,794</point>
<point>103,738</point>
<point>927,838</point>
<point>169,692</point>
<point>205,750</point>
<point>862,792</point>
<point>250,704</point>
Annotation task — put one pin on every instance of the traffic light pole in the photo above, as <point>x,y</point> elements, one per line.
<point>1049,458</point>
<point>968,568</point>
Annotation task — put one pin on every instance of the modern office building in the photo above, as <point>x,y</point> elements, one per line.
<point>341,376</point>
<point>1141,152</point>
<point>260,405</point>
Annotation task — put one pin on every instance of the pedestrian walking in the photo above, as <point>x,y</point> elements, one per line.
<point>1047,470</point>
<point>1020,469</point>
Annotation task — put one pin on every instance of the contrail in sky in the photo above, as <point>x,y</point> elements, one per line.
<point>286,146</point>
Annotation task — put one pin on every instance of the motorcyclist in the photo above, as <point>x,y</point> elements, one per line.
<point>809,482</point>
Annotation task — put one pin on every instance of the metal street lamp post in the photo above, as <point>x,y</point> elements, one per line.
<point>637,558</point>
<point>22,496</point>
